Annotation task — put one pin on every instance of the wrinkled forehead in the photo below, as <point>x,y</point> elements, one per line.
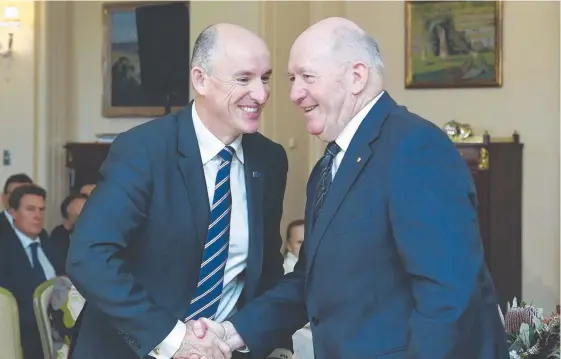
<point>306,56</point>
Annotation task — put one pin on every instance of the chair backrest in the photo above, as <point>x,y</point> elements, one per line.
<point>41,300</point>
<point>10,344</point>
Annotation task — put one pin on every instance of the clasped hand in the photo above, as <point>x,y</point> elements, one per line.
<point>206,339</point>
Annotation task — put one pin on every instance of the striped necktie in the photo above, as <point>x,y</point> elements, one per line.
<point>209,288</point>
<point>325,177</point>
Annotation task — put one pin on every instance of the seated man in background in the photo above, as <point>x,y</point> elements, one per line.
<point>70,210</point>
<point>13,182</point>
<point>27,260</point>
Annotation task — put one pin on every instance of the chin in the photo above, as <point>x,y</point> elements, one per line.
<point>314,128</point>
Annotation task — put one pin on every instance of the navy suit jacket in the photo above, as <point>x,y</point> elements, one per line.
<point>16,275</point>
<point>394,267</point>
<point>136,249</point>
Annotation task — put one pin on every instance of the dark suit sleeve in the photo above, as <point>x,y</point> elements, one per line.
<point>96,261</point>
<point>434,220</point>
<point>273,269</point>
<point>273,261</point>
<point>269,321</point>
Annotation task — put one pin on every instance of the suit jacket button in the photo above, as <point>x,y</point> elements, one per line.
<point>315,320</point>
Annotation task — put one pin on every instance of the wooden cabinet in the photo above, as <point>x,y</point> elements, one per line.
<point>84,159</point>
<point>496,165</point>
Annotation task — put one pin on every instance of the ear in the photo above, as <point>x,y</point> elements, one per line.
<point>199,80</point>
<point>360,73</point>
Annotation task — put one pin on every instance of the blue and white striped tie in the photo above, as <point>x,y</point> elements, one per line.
<point>209,289</point>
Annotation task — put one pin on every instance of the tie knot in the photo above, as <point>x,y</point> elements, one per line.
<point>227,153</point>
<point>332,148</point>
<point>34,246</point>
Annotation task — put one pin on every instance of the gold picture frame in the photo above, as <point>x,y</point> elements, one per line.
<point>453,44</point>
<point>122,94</point>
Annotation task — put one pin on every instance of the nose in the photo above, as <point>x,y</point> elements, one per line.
<point>297,92</point>
<point>260,92</point>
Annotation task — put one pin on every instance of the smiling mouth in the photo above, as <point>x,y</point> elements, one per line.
<point>249,109</point>
<point>309,108</point>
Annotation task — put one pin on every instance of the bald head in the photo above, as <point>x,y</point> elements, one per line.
<point>216,39</point>
<point>230,73</point>
<point>343,40</point>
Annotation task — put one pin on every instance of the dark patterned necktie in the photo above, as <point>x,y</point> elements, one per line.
<point>38,272</point>
<point>325,177</point>
<point>211,277</point>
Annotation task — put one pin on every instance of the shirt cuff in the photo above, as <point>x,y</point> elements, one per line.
<point>171,344</point>
<point>243,349</point>
<point>280,353</point>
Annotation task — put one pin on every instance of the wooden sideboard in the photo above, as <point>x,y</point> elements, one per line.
<point>496,165</point>
<point>84,159</point>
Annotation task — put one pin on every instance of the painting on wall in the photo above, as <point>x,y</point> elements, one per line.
<point>123,94</point>
<point>453,44</point>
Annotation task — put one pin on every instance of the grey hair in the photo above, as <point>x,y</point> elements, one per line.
<point>202,50</point>
<point>361,44</point>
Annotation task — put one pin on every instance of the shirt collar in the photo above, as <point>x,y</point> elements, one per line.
<point>209,144</point>
<point>25,240</point>
<point>345,137</point>
<point>9,217</point>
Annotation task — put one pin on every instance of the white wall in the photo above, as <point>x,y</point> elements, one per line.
<point>17,96</point>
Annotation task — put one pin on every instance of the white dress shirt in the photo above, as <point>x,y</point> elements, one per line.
<point>289,262</point>
<point>43,260</point>
<point>345,137</point>
<point>210,146</point>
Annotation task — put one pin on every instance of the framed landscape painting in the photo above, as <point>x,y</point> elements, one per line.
<point>123,94</point>
<point>453,44</point>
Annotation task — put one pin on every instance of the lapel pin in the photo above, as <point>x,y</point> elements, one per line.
<point>256,174</point>
<point>358,159</point>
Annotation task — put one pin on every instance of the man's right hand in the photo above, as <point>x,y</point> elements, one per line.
<point>195,346</point>
<point>225,331</point>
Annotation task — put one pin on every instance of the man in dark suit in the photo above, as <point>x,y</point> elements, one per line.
<point>13,182</point>
<point>392,264</point>
<point>27,260</point>
<point>185,219</point>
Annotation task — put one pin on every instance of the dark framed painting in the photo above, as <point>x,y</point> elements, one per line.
<point>453,44</point>
<point>123,93</point>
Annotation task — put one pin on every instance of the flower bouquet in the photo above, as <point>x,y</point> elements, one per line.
<point>530,334</point>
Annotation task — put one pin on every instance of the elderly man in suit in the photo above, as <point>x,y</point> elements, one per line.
<point>392,265</point>
<point>185,219</point>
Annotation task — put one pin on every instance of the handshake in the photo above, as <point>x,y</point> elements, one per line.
<point>206,339</point>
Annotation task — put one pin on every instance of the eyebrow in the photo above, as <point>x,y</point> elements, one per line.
<point>249,73</point>
<point>300,71</point>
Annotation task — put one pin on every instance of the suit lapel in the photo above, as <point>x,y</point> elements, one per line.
<point>356,157</point>
<point>253,171</point>
<point>18,255</point>
<point>191,167</point>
